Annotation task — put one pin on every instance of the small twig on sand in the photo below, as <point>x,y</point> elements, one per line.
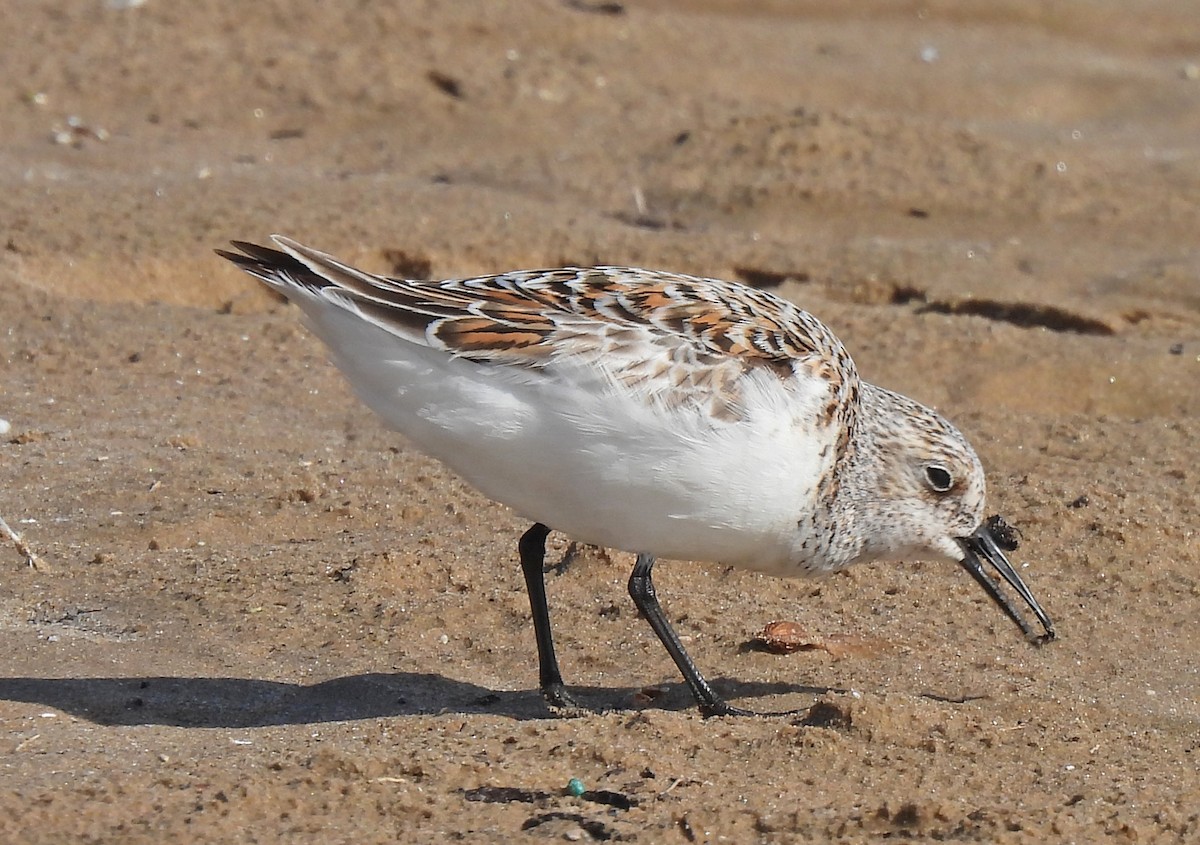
<point>23,547</point>
<point>23,744</point>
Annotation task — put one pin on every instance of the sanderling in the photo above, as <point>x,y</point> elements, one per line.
<point>667,415</point>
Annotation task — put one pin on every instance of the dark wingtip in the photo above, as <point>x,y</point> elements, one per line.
<point>256,258</point>
<point>250,254</point>
<point>264,253</point>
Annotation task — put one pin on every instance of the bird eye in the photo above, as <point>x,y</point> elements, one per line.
<point>939,478</point>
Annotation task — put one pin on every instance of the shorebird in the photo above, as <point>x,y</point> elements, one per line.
<point>663,414</point>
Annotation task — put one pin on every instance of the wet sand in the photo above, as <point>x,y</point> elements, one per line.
<point>263,617</point>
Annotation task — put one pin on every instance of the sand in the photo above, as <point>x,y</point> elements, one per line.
<point>261,616</point>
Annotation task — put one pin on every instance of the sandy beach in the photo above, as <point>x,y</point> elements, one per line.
<point>260,616</point>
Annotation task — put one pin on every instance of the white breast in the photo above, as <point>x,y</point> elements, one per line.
<point>566,448</point>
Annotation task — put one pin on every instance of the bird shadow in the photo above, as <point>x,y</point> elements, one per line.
<point>251,703</point>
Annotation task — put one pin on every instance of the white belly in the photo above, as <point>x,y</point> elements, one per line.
<point>567,450</point>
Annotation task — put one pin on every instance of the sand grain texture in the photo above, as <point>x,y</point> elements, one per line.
<point>265,618</point>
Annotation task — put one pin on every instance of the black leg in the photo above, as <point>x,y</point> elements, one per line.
<point>641,589</point>
<point>533,557</point>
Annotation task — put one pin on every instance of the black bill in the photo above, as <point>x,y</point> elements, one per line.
<point>984,546</point>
